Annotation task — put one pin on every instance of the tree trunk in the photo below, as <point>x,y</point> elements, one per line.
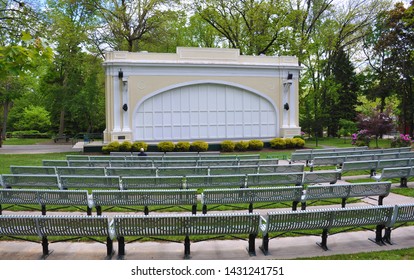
<point>6,108</point>
<point>62,123</point>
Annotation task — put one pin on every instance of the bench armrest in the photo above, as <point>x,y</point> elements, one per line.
<point>263,224</point>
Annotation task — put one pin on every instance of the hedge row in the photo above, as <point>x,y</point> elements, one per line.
<point>166,146</point>
<point>201,146</point>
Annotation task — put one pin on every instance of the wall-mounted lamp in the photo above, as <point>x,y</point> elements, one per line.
<point>286,106</point>
<point>120,74</point>
<point>125,107</point>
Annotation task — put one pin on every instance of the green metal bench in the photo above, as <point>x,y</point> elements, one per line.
<point>48,162</point>
<point>152,182</point>
<point>185,225</point>
<point>82,171</point>
<point>89,182</point>
<point>325,219</point>
<point>131,171</point>
<point>402,173</point>
<point>44,170</point>
<point>129,198</point>
<point>369,165</point>
<point>29,181</point>
<point>62,198</point>
<point>250,196</point>
<point>403,214</point>
<point>320,177</point>
<point>346,191</point>
<point>67,227</point>
<point>274,179</point>
<point>215,181</point>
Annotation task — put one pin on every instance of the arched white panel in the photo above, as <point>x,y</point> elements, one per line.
<point>205,111</point>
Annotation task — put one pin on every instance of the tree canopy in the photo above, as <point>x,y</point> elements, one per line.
<point>352,52</point>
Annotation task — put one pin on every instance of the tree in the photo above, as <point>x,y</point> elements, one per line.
<point>34,118</point>
<point>21,51</point>
<point>376,124</point>
<point>397,41</point>
<point>123,23</point>
<point>254,27</point>
<point>65,79</point>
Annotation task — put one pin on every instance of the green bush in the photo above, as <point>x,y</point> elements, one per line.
<point>199,146</point>
<point>242,146</point>
<point>166,146</point>
<point>289,143</point>
<point>298,142</point>
<point>182,147</point>
<point>125,146</point>
<point>136,146</point>
<point>278,143</point>
<point>256,145</point>
<point>111,147</point>
<point>227,146</point>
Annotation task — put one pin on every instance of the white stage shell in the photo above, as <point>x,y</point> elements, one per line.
<point>205,111</point>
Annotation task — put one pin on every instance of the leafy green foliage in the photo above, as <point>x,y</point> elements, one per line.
<point>166,146</point>
<point>227,146</point>
<point>199,146</point>
<point>34,117</point>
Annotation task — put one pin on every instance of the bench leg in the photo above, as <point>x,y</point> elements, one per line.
<point>303,205</point>
<point>378,234</point>
<point>88,211</point>
<point>1,210</point>
<point>251,249</point>
<point>98,210</point>
<point>380,200</point>
<point>121,247</point>
<point>194,209</point>
<point>324,242</point>
<point>265,244</point>
<point>404,183</point>
<point>43,209</point>
<point>146,210</point>
<point>187,247</point>
<point>387,235</point>
<point>251,208</point>
<point>204,209</point>
<point>45,246</point>
<point>295,205</point>
<point>343,203</point>
<point>109,247</point>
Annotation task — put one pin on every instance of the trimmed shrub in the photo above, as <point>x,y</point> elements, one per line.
<point>289,143</point>
<point>242,146</point>
<point>166,146</point>
<point>278,143</point>
<point>199,146</point>
<point>111,147</point>
<point>182,147</point>
<point>227,146</point>
<point>256,145</point>
<point>298,142</point>
<point>136,146</point>
<point>125,146</point>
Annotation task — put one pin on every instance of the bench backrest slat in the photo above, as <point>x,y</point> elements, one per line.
<point>19,225</point>
<point>73,226</point>
<point>153,182</point>
<point>274,179</point>
<point>29,181</point>
<point>251,195</point>
<point>144,197</point>
<point>77,181</point>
